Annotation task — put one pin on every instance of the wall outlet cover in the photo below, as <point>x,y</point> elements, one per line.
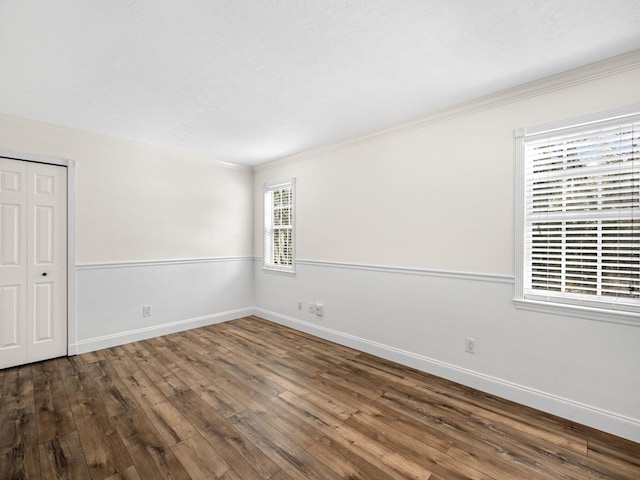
<point>470,345</point>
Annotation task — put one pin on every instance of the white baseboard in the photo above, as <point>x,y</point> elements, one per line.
<point>107,341</point>
<point>571,410</point>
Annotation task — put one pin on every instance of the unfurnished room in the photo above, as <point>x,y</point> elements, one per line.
<point>329,239</point>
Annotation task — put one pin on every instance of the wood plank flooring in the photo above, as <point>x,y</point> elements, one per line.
<point>252,400</point>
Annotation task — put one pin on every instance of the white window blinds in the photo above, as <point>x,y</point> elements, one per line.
<point>279,232</point>
<point>582,214</point>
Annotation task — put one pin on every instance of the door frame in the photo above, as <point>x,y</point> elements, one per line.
<point>72,325</point>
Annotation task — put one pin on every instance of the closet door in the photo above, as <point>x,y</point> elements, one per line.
<point>13,262</point>
<point>33,262</point>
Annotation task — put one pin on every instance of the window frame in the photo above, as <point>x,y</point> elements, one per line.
<point>268,221</point>
<point>590,309</point>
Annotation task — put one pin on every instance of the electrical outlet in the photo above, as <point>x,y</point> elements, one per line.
<point>146,311</point>
<point>470,345</point>
<point>312,308</point>
<point>299,304</point>
<point>319,309</point>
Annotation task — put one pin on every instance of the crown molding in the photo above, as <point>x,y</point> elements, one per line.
<point>588,73</point>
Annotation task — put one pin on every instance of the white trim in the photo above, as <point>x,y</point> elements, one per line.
<point>616,114</point>
<point>70,165</point>
<point>276,185</point>
<point>151,263</point>
<point>269,188</point>
<point>605,311</point>
<point>482,277</point>
<point>107,341</point>
<point>61,162</point>
<point>578,311</point>
<point>72,321</point>
<point>577,76</point>
<point>518,215</point>
<point>566,408</point>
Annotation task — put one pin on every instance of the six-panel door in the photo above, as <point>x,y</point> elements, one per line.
<point>33,262</point>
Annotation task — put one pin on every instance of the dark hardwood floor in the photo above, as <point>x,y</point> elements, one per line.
<point>249,399</point>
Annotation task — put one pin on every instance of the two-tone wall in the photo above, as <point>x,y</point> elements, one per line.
<point>407,239</point>
<point>153,227</point>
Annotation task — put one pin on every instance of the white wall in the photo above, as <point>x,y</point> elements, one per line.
<point>183,294</point>
<point>137,202</point>
<point>433,186</point>
<point>385,227</point>
<point>433,200</point>
<point>153,227</point>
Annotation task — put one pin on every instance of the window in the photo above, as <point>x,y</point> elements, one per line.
<point>279,232</point>
<point>578,214</point>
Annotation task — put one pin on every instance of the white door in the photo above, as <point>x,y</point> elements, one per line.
<point>33,262</point>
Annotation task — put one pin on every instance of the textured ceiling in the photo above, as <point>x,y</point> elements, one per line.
<point>247,81</point>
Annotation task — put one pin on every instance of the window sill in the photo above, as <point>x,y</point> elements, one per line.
<point>588,313</point>
<point>279,271</point>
